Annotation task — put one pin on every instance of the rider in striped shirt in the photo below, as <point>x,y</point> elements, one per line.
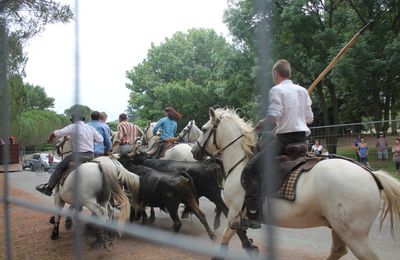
<point>126,135</point>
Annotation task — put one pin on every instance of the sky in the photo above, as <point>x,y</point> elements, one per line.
<point>112,40</point>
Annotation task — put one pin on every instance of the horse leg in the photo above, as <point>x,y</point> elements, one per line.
<point>352,233</point>
<point>59,205</point>
<point>194,207</point>
<point>247,243</point>
<point>338,248</point>
<point>68,221</point>
<point>100,212</point>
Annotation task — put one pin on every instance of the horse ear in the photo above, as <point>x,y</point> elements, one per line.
<point>148,123</point>
<point>212,113</point>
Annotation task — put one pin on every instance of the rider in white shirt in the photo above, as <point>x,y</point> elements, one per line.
<point>290,110</point>
<point>83,137</point>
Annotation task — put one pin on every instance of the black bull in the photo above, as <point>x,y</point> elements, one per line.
<point>204,175</point>
<point>167,191</point>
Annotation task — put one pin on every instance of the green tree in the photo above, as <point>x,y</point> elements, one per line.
<point>81,109</point>
<point>25,19</point>
<point>34,126</point>
<point>191,72</point>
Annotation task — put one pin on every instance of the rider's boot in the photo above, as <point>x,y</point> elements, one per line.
<point>45,189</point>
<point>252,220</point>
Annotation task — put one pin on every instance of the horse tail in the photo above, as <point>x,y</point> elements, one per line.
<point>117,192</point>
<point>391,197</point>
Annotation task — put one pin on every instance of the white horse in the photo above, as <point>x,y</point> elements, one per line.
<point>179,152</point>
<point>98,182</point>
<point>336,193</point>
<point>190,133</point>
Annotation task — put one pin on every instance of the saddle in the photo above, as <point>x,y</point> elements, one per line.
<point>72,166</point>
<point>161,147</point>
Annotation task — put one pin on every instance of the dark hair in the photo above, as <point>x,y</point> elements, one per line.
<point>95,115</point>
<point>172,114</point>
<point>123,117</point>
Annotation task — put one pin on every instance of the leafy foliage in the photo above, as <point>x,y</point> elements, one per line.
<point>191,72</point>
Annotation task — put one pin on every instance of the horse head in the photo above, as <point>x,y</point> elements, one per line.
<point>189,133</point>
<point>148,138</point>
<point>224,129</point>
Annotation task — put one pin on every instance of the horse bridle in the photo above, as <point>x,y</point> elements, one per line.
<point>219,152</point>
<point>187,132</point>
<point>146,140</point>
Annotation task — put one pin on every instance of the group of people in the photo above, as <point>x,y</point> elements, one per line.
<point>93,139</point>
<point>289,110</point>
<point>360,147</point>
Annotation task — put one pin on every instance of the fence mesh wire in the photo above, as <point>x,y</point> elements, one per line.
<point>336,139</point>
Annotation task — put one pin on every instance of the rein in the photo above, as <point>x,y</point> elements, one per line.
<point>146,140</point>
<point>219,152</point>
<point>180,138</point>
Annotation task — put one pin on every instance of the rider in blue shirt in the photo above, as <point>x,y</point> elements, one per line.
<point>167,124</point>
<point>103,148</point>
<point>168,127</point>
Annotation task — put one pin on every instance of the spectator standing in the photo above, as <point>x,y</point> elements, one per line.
<point>355,145</point>
<point>381,147</point>
<point>363,152</point>
<point>50,158</point>
<point>396,155</point>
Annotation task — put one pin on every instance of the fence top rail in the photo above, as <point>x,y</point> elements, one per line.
<point>353,124</point>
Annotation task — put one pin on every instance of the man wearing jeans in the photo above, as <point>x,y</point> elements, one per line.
<point>83,137</point>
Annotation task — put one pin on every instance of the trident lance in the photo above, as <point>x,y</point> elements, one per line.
<point>341,52</point>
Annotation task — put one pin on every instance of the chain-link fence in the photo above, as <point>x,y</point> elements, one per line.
<point>342,139</point>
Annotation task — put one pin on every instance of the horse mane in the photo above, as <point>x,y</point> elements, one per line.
<point>245,127</point>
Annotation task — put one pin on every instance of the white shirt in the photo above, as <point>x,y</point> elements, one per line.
<point>290,107</point>
<point>84,136</point>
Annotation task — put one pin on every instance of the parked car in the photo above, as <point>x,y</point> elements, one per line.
<point>39,161</point>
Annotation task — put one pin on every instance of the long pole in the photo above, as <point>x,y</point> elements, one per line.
<point>341,52</point>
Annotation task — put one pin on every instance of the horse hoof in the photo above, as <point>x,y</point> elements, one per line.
<point>68,224</point>
<point>185,214</point>
<point>52,220</point>
<point>108,245</point>
<point>151,220</point>
<point>54,236</point>
<point>213,237</point>
<point>216,224</point>
<point>96,244</point>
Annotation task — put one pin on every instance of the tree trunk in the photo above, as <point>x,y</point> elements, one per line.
<point>376,106</point>
<point>394,119</point>
<point>335,115</point>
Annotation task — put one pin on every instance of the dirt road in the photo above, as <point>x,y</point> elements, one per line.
<point>31,233</point>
